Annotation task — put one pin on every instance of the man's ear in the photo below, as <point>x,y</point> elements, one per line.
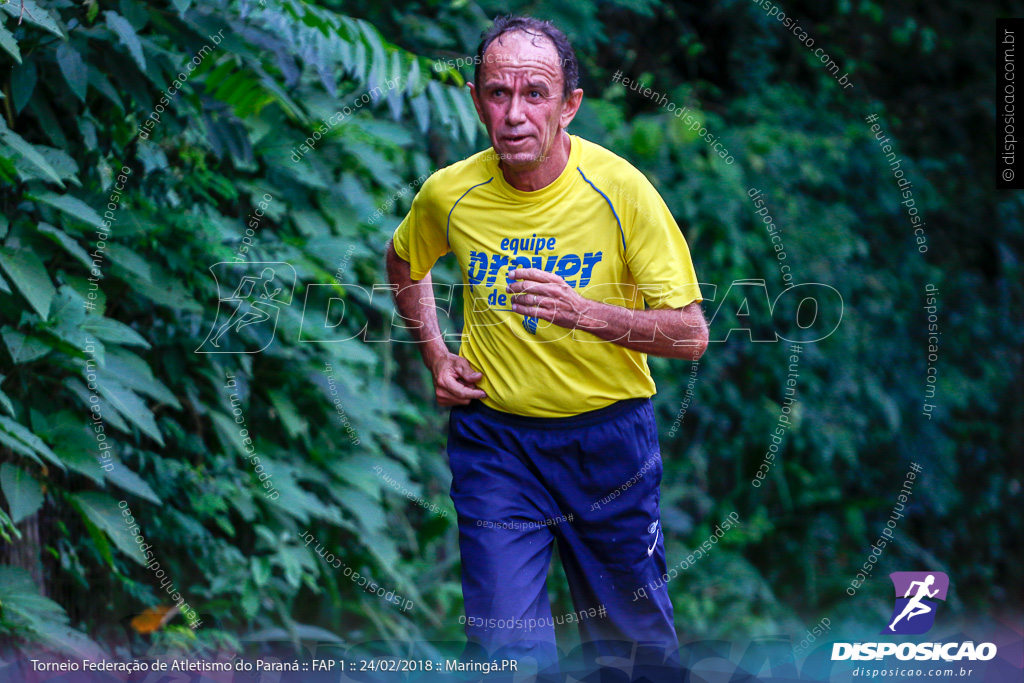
<point>571,106</point>
<point>476,103</point>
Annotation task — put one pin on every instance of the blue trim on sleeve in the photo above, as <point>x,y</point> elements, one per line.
<point>609,206</point>
<point>448,225</point>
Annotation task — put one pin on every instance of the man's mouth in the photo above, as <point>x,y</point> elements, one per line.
<point>516,139</point>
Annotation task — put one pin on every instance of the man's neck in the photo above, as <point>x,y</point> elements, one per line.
<point>543,174</point>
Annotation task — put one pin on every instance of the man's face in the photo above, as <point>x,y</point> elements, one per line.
<point>519,98</point>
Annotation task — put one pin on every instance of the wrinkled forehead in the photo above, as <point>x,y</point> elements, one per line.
<point>520,55</point>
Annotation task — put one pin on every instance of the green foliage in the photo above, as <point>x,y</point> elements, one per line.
<point>164,438</point>
<point>106,322</point>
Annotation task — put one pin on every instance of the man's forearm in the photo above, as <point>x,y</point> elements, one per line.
<point>414,300</point>
<point>672,333</point>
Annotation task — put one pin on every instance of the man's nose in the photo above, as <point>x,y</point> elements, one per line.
<point>516,113</point>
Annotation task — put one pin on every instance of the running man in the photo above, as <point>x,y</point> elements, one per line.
<point>573,270</point>
<point>915,606</point>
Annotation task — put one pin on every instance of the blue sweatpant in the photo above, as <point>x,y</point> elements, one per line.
<point>513,480</point>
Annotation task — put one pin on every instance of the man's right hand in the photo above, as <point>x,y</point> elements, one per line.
<point>455,381</point>
<point>454,378</point>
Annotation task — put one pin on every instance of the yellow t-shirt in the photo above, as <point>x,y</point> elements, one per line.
<point>600,225</point>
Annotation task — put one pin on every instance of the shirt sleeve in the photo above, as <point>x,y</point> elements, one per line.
<point>420,239</point>
<point>656,251</point>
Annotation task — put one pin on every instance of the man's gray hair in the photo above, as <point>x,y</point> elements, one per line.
<point>538,28</point>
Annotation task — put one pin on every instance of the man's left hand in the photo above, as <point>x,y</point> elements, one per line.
<point>547,296</point>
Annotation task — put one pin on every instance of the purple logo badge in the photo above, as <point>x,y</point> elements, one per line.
<point>916,593</point>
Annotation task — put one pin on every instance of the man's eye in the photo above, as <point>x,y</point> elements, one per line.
<point>536,93</point>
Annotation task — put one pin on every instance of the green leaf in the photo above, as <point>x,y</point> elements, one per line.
<point>464,109</point>
<point>23,83</point>
<point>67,315</point>
<point>73,68</point>
<point>61,161</point>
<point>100,81</point>
<point>19,446</point>
<point>29,275</point>
<point>65,241</point>
<point>227,431</point>
<point>136,374</point>
<point>360,61</point>
<point>34,14</point>
<point>436,94</point>
<point>170,293</point>
<point>9,43</point>
<point>124,478</point>
<point>133,408</point>
<point>421,110</point>
<point>413,78</point>
<point>75,443</point>
<point>29,611</point>
<point>22,433</point>
<point>288,414</point>
<point>72,206</point>
<point>222,71</point>
<point>28,152</point>
<point>98,537</point>
<point>111,330</point>
<point>5,401</point>
<point>24,494</point>
<point>7,525</point>
<point>126,34</point>
<point>105,514</point>
<point>106,411</point>
<point>129,260</point>
<point>22,347</point>
<point>29,170</point>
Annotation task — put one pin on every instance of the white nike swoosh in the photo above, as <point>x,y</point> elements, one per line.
<point>650,551</point>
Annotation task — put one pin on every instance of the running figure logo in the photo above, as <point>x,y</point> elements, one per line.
<point>254,299</point>
<point>915,614</point>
